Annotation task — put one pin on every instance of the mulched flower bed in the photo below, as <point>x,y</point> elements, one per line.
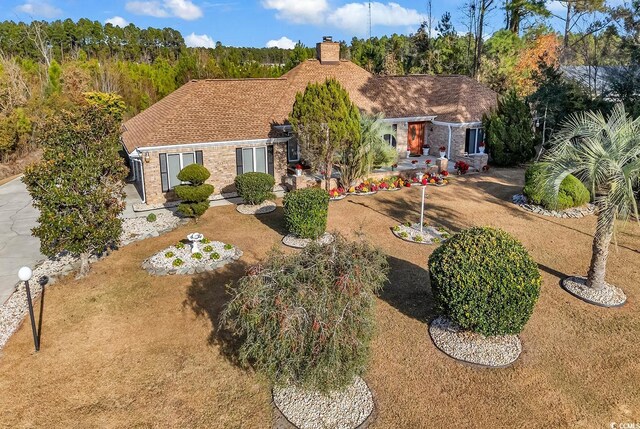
<point>471,347</point>
<point>250,209</point>
<point>429,234</point>
<point>178,259</point>
<point>609,296</point>
<point>300,243</point>
<point>575,212</point>
<point>346,409</point>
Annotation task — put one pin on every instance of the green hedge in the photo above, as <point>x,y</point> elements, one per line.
<point>572,192</point>
<point>255,188</point>
<point>485,281</point>
<point>195,195</point>
<point>308,319</point>
<point>306,211</point>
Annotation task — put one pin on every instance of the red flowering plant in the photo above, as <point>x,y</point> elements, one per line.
<point>337,192</point>
<point>383,185</point>
<point>444,173</point>
<point>462,167</point>
<point>427,161</point>
<point>443,149</point>
<point>414,161</point>
<point>298,166</point>
<point>407,184</point>
<point>424,181</point>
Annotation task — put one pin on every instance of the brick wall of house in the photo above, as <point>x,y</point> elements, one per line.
<point>402,133</point>
<point>438,135</point>
<point>221,163</point>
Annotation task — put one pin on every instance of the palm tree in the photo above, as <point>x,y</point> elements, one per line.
<point>604,153</point>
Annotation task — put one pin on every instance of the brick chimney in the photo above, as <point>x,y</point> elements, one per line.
<point>328,51</point>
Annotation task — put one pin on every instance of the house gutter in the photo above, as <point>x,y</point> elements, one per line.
<point>144,190</point>
<point>210,144</point>
<point>458,124</point>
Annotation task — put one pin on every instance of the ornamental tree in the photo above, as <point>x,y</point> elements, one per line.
<point>77,187</point>
<point>195,194</point>
<point>325,121</point>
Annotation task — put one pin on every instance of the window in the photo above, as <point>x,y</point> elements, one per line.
<point>474,137</point>
<point>172,163</point>
<point>254,159</point>
<point>293,150</point>
<point>391,138</point>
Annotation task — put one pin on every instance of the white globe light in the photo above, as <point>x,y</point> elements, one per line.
<point>25,274</point>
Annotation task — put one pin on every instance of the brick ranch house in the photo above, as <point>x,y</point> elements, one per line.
<point>232,126</point>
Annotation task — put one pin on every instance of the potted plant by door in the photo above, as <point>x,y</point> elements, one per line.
<point>443,151</point>
<point>481,147</point>
<point>299,170</point>
<point>425,149</point>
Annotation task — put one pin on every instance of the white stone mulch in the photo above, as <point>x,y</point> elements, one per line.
<point>363,194</point>
<point>347,409</point>
<point>254,209</point>
<point>608,296</point>
<point>429,234</point>
<point>575,212</point>
<point>341,197</point>
<point>471,347</point>
<point>213,255</point>
<point>48,271</point>
<point>300,243</point>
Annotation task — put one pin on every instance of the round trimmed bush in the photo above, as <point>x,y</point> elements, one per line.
<point>484,280</point>
<point>572,192</point>
<point>306,211</point>
<point>195,195</point>
<point>255,188</point>
<point>151,217</point>
<point>307,319</point>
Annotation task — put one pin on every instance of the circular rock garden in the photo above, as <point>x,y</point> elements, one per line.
<point>574,212</point>
<point>307,409</point>
<point>608,296</point>
<point>471,347</point>
<point>300,243</point>
<point>254,209</point>
<point>181,258</point>
<point>429,234</point>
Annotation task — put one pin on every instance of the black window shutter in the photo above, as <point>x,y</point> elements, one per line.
<point>164,174</point>
<point>467,140</point>
<point>239,170</point>
<point>199,157</point>
<point>270,159</point>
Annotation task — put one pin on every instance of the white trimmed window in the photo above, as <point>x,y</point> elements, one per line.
<point>254,159</point>
<point>172,163</point>
<point>391,138</point>
<point>474,137</point>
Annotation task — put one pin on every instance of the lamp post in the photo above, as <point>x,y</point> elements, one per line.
<point>25,274</point>
<point>422,209</point>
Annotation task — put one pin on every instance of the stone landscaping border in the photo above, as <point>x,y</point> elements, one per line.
<point>341,197</point>
<point>473,348</point>
<point>573,213</point>
<point>300,243</point>
<point>609,297</point>
<point>353,408</point>
<point>430,234</point>
<point>256,209</point>
<point>363,194</point>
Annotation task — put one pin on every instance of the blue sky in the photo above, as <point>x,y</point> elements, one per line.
<point>251,22</point>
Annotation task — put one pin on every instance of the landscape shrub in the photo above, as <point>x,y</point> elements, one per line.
<point>195,195</point>
<point>484,280</point>
<point>255,188</point>
<point>572,192</point>
<point>306,211</point>
<point>151,217</point>
<point>307,319</point>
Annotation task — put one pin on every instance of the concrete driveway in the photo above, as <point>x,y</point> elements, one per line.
<point>17,246</point>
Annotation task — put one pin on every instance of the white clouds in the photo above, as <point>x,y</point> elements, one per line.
<point>184,9</point>
<point>39,8</point>
<point>298,11</point>
<point>117,21</point>
<point>199,41</point>
<point>282,43</point>
<point>355,16</point>
<point>556,7</point>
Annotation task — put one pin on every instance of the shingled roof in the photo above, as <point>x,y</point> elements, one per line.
<point>219,110</point>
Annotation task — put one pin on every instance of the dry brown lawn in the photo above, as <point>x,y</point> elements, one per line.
<point>123,349</point>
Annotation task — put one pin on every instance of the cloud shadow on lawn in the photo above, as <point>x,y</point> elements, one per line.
<point>409,290</point>
<point>207,296</point>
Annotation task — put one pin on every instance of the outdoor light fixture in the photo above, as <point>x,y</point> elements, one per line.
<point>24,274</point>
<point>147,157</point>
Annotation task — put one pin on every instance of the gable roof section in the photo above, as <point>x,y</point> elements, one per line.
<point>217,110</point>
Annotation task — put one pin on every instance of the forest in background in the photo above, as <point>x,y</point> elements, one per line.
<point>48,66</point>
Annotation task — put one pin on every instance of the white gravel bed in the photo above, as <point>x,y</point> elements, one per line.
<point>300,243</point>
<point>341,197</point>
<point>251,209</point>
<point>363,194</point>
<point>139,228</point>
<point>178,259</point>
<point>48,271</point>
<point>609,296</point>
<point>345,409</point>
<point>471,347</point>
<point>574,213</point>
<point>429,234</point>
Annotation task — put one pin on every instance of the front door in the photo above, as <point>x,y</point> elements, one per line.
<point>415,137</point>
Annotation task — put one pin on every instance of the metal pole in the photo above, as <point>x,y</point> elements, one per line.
<point>36,341</point>
<point>422,209</point>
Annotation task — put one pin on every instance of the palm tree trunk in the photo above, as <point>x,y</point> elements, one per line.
<point>600,251</point>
